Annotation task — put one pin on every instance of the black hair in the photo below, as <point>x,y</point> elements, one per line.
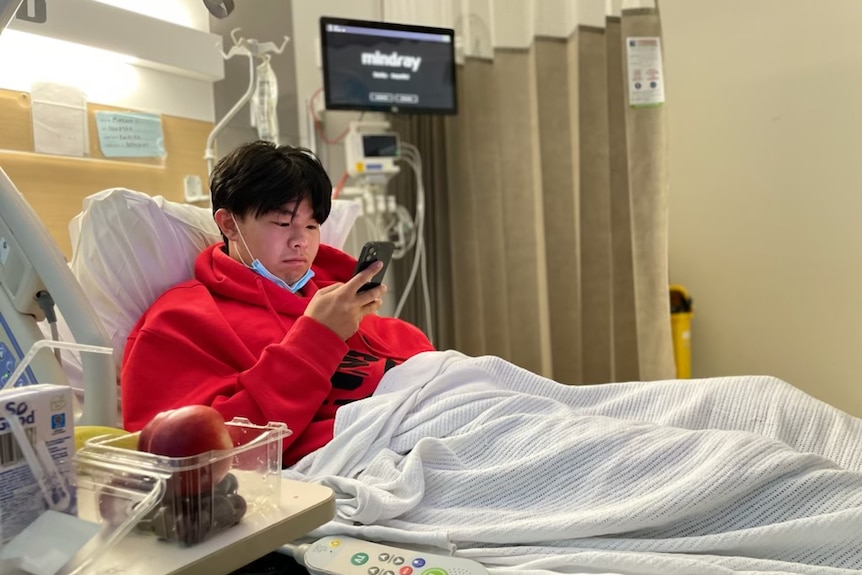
<point>259,178</point>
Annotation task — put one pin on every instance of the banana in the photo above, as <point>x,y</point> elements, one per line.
<point>83,433</point>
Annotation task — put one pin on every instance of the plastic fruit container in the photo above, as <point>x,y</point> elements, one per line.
<point>203,494</point>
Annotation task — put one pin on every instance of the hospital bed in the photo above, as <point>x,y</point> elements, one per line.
<point>31,266</point>
<point>128,247</point>
<point>479,457</point>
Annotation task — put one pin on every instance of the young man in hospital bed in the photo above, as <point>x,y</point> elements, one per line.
<point>273,327</point>
<point>475,455</point>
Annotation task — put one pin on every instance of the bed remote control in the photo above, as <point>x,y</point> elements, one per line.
<point>342,555</point>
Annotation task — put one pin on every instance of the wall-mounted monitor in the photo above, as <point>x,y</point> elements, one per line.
<point>383,67</point>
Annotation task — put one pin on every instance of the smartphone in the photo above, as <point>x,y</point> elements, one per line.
<point>372,252</point>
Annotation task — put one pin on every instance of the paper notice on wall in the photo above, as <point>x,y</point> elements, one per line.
<point>646,74</point>
<point>130,135</point>
<point>59,119</point>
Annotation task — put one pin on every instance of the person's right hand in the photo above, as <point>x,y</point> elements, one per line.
<point>340,308</point>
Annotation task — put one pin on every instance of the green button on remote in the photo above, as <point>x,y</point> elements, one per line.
<point>359,558</point>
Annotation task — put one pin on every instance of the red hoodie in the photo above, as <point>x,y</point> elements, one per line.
<point>238,342</point>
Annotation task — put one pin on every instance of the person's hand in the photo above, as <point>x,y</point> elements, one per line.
<point>340,308</point>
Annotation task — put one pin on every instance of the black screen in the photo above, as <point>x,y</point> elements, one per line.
<point>380,146</point>
<point>388,67</point>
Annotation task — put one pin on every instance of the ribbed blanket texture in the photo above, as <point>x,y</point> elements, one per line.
<point>492,462</point>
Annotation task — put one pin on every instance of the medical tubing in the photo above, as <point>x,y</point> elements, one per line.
<point>318,125</point>
<point>410,154</point>
<point>55,335</point>
<point>422,249</point>
<point>420,217</point>
<point>427,295</point>
<point>402,215</point>
<point>42,343</point>
<point>46,304</point>
<point>340,185</point>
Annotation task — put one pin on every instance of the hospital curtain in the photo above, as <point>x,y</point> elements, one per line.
<point>428,133</point>
<point>547,231</point>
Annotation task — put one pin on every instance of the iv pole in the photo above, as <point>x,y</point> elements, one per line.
<point>251,49</point>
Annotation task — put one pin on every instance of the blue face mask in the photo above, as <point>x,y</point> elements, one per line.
<point>260,270</point>
<point>292,288</point>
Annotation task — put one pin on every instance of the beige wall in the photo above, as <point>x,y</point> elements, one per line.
<point>765,106</point>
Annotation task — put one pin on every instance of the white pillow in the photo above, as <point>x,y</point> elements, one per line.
<point>129,247</point>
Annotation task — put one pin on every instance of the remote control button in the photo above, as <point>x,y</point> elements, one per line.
<point>406,570</point>
<point>373,570</point>
<point>398,561</point>
<point>388,573</point>
<point>418,562</point>
<point>335,543</point>
<point>359,559</point>
<point>384,556</point>
<point>435,571</point>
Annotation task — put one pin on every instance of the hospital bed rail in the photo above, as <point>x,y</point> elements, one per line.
<point>40,251</point>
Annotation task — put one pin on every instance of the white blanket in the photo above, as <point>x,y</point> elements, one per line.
<point>475,455</point>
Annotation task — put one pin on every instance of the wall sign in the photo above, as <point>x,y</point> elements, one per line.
<point>130,135</point>
<point>646,76</point>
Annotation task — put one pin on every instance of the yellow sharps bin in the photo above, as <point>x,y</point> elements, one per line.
<point>681,312</point>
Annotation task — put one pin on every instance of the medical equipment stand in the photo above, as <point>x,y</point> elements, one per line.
<point>252,49</point>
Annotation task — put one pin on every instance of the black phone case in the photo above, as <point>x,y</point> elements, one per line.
<point>371,252</point>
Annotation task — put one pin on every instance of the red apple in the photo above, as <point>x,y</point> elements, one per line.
<point>187,431</point>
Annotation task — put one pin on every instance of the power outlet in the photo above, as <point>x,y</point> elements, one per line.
<point>193,189</point>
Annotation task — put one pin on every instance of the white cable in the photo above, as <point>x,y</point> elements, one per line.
<point>411,156</point>
<point>55,336</point>
<point>389,226</point>
<point>420,213</point>
<point>429,322</point>
<point>380,224</point>
<point>295,551</point>
<point>403,227</point>
<point>404,216</point>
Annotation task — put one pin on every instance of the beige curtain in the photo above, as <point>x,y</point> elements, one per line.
<point>547,213</point>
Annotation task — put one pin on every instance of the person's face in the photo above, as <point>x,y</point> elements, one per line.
<point>285,244</point>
